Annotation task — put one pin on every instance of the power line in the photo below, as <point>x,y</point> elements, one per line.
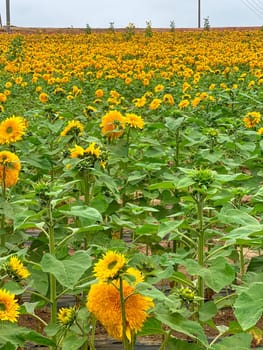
<point>253,7</point>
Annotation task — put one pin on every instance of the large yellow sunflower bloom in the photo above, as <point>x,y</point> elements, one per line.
<point>9,308</point>
<point>113,124</point>
<point>12,129</point>
<point>9,168</point>
<point>104,302</point>
<point>109,266</point>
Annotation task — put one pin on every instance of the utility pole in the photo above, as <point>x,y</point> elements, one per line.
<point>7,6</point>
<point>199,13</point>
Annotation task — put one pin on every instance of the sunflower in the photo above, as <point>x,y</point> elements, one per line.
<point>76,152</point>
<point>9,308</point>
<point>113,124</point>
<point>12,129</point>
<point>43,97</point>
<point>109,266</point>
<point>155,104</point>
<point>134,121</point>
<point>158,88</point>
<point>3,97</point>
<point>183,104</point>
<point>136,274</point>
<point>139,102</point>
<point>66,315</point>
<point>9,168</point>
<point>252,119</point>
<point>99,93</point>
<point>104,302</point>
<point>93,150</point>
<point>74,127</point>
<point>16,268</point>
<point>168,98</point>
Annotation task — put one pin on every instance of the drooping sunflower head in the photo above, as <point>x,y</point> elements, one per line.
<point>76,152</point>
<point>93,150</point>
<point>110,266</point>
<point>9,168</point>
<point>135,275</point>
<point>66,316</point>
<point>74,128</point>
<point>16,269</point>
<point>12,129</point>
<point>113,124</point>
<point>9,308</point>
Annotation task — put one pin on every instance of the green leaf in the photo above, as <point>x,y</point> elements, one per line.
<point>244,233</point>
<point>218,275</point>
<point>236,217</point>
<point>40,281</point>
<point>240,341</point>
<point>207,311</point>
<point>256,264</point>
<point>83,211</point>
<point>151,326</point>
<point>174,123</point>
<point>15,336</point>
<point>67,271</point>
<point>168,227</point>
<point>178,323</point>
<point>177,344</point>
<point>73,342</point>
<point>249,305</point>
<point>164,185</point>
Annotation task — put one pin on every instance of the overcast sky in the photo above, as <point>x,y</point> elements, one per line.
<point>100,13</point>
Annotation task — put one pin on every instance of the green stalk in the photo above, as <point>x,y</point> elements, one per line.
<point>86,180</point>
<point>177,141</point>
<point>200,250</point>
<point>3,234</point>
<point>125,341</point>
<point>93,331</point>
<point>52,279</point>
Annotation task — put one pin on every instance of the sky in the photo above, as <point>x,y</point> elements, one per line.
<point>160,13</point>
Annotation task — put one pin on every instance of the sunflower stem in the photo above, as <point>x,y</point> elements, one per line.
<point>52,279</point>
<point>3,234</point>
<point>125,341</point>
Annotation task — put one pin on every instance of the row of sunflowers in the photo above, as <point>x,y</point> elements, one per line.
<point>130,173</point>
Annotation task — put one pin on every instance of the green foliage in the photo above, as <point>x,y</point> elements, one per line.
<point>180,197</point>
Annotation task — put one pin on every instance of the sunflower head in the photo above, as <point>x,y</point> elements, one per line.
<point>15,269</point>
<point>66,316</point>
<point>9,168</point>
<point>104,303</point>
<point>12,129</point>
<point>113,124</point>
<point>110,266</point>
<point>134,121</point>
<point>9,308</point>
<point>74,128</point>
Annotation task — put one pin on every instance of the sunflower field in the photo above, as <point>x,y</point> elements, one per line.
<point>131,181</point>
